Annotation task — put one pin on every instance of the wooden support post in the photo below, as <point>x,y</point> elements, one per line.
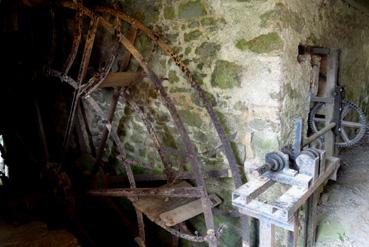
<point>329,91</point>
<point>267,232</point>
<point>293,236</point>
<point>311,220</point>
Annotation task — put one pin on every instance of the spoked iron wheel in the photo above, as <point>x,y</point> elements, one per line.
<point>353,123</point>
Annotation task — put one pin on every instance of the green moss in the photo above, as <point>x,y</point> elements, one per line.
<point>211,21</point>
<point>265,43</point>
<point>281,17</point>
<point>138,170</point>
<point>173,77</point>
<point>186,61</point>
<point>129,147</point>
<point>169,13</point>
<point>192,35</point>
<point>226,75</point>
<point>208,21</point>
<point>179,90</point>
<point>144,44</point>
<point>312,40</point>
<point>177,49</point>
<point>207,51</point>
<point>269,17</point>
<point>191,118</point>
<point>187,50</point>
<point>194,24</point>
<point>293,93</point>
<point>168,139</point>
<point>172,37</point>
<point>191,9</point>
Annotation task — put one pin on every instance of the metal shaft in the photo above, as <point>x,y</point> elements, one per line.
<point>318,134</point>
<point>262,169</point>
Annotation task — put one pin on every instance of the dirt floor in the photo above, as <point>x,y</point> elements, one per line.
<point>344,209</point>
<point>35,234</point>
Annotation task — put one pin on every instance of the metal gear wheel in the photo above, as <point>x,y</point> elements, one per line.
<point>353,123</point>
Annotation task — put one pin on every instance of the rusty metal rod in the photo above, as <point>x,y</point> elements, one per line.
<point>183,192</point>
<point>262,169</point>
<point>318,134</point>
<point>75,44</point>
<point>81,76</point>
<point>62,77</point>
<point>190,237</point>
<point>224,173</point>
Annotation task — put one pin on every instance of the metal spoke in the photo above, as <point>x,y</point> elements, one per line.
<point>319,120</point>
<point>351,124</point>
<point>344,135</point>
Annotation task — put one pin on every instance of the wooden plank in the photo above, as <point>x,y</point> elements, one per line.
<point>249,191</point>
<point>311,220</point>
<point>332,163</point>
<point>186,211</point>
<point>288,200</point>
<point>267,234</point>
<point>121,79</point>
<point>302,180</point>
<point>263,211</point>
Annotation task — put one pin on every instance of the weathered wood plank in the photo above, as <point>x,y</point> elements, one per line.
<point>263,211</point>
<point>267,234</point>
<point>331,166</point>
<point>186,211</point>
<point>292,236</point>
<point>287,201</point>
<point>249,191</point>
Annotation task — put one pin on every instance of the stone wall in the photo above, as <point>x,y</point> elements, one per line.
<point>244,54</point>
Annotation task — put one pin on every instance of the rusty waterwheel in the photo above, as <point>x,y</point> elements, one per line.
<point>84,87</point>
